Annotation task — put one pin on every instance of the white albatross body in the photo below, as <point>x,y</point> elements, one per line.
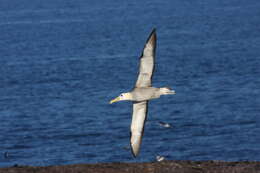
<point>142,92</point>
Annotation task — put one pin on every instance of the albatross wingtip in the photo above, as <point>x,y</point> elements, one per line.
<point>134,153</point>
<point>154,30</point>
<point>152,38</point>
<point>153,33</point>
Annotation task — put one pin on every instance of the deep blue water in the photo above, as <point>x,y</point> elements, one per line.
<point>62,62</point>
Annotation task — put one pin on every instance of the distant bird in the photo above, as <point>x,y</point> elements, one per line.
<point>160,158</point>
<point>142,93</point>
<point>6,155</point>
<point>126,148</point>
<point>166,125</point>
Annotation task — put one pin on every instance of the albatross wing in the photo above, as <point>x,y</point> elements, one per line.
<point>147,62</point>
<point>137,125</point>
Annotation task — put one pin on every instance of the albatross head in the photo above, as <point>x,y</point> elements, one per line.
<point>123,96</point>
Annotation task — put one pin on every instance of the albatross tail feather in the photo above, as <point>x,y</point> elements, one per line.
<point>166,91</point>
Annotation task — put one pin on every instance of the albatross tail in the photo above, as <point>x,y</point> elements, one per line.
<point>166,91</point>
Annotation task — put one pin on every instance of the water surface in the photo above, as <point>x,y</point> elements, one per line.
<point>62,61</point>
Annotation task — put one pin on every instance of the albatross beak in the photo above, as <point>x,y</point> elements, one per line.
<point>114,100</point>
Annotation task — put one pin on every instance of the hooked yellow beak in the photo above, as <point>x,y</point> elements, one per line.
<point>115,100</point>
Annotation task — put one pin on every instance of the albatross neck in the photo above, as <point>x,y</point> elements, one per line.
<point>129,96</point>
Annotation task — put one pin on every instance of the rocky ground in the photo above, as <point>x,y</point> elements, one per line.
<point>153,167</point>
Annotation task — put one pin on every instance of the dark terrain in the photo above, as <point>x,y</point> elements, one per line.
<point>152,167</point>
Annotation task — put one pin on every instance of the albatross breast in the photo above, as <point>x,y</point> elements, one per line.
<point>145,93</point>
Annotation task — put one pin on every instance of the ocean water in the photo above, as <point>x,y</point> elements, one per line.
<point>63,61</point>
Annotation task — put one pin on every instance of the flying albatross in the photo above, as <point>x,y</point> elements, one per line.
<point>142,93</point>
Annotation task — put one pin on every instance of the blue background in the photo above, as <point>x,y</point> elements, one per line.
<point>62,62</point>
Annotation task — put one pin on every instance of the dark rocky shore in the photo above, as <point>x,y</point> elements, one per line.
<point>153,167</point>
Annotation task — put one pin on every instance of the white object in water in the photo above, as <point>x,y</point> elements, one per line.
<point>160,158</point>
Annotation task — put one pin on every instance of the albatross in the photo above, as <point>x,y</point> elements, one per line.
<point>142,93</point>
